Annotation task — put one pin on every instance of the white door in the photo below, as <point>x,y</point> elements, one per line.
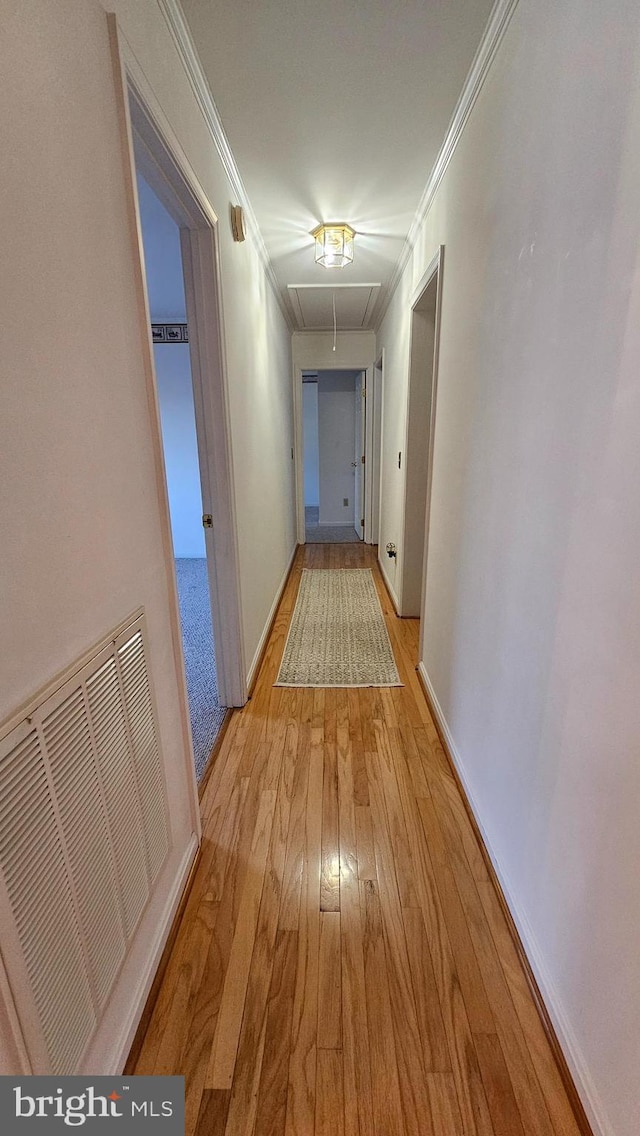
<point>359,454</point>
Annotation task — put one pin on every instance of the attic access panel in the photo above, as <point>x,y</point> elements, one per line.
<point>313,305</point>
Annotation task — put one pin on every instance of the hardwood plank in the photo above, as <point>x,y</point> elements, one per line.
<point>356,699</point>
<point>380,767</point>
<point>530,1101</point>
<point>225,1045</point>
<point>210,795</point>
<point>274,1076</point>
<point>498,1087</point>
<point>457,833</point>
<point>432,1032</point>
<point>355,1027</point>
<point>217,860</point>
<point>471,1096</point>
<point>474,993</point>
<point>212,1116</point>
<point>301,1098</point>
<point>444,1105</point>
<point>175,1033</point>
<point>277,713</point>
<point>370,712</point>
<point>329,982</point>
<point>329,1120</point>
<point>385,1084</point>
<point>247,1071</point>
<point>365,846</point>
<point>202,1012</point>
<point>330,870</point>
<point>409,1055</point>
<point>294,859</point>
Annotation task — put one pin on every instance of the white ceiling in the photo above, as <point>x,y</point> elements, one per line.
<point>335,111</point>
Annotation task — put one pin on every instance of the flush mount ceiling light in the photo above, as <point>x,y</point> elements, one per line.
<point>334,245</point>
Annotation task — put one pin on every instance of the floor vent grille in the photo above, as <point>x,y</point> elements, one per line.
<point>84,833</point>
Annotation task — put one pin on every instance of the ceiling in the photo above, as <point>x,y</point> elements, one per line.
<point>335,111</point>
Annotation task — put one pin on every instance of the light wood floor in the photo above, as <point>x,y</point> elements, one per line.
<point>343,966</point>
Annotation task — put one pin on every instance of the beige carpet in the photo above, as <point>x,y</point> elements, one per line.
<point>338,635</point>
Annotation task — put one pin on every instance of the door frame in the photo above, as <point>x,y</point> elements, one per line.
<point>372,446</point>
<point>151,148</point>
<point>359,453</point>
<point>373,450</point>
<point>433,271</point>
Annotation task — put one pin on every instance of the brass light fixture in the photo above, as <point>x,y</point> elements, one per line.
<point>334,244</point>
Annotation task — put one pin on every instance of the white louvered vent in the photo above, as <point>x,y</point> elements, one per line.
<point>83,836</point>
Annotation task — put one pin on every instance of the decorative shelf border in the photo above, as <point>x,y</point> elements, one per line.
<point>169,333</point>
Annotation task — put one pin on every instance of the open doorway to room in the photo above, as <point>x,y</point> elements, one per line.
<point>174,383</point>
<point>333,444</point>
<point>177,238</point>
<point>421,412</point>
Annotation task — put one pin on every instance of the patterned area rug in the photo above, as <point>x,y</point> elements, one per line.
<point>338,635</point>
<point>205,711</point>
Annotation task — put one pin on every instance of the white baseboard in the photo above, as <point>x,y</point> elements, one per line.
<point>566,1037</point>
<point>270,618</point>
<point>390,588</point>
<point>138,999</point>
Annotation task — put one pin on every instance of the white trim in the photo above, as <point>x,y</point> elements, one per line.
<point>139,998</point>
<point>474,82</point>
<point>203,289</point>
<point>432,440</point>
<point>270,618</point>
<point>426,278</point>
<point>194,70</point>
<point>298,451</point>
<point>552,1001</point>
<point>373,451</point>
<point>390,588</point>
<point>298,445</point>
<point>330,287</point>
<point>434,271</point>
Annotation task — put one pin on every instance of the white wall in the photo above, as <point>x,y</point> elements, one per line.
<point>175,394</point>
<point>313,350</point>
<point>310,443</point>
<point>80,513</point>
<point>533,608</point>
<point>336,438</point>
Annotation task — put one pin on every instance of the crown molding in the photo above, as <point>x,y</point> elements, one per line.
<point>474,82</point>
<point>183,40</point>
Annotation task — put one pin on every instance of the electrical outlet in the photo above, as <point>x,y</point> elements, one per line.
<point>345,501</point>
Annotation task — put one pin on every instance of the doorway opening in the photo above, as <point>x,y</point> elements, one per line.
<point>174,384</point>
<point>421,411</point>
<point>178,246</point>
<point>333,447</point>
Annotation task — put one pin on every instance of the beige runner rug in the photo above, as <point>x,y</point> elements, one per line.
<point>338,635</point>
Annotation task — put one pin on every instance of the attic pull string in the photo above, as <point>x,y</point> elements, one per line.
<point>333,297</point>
